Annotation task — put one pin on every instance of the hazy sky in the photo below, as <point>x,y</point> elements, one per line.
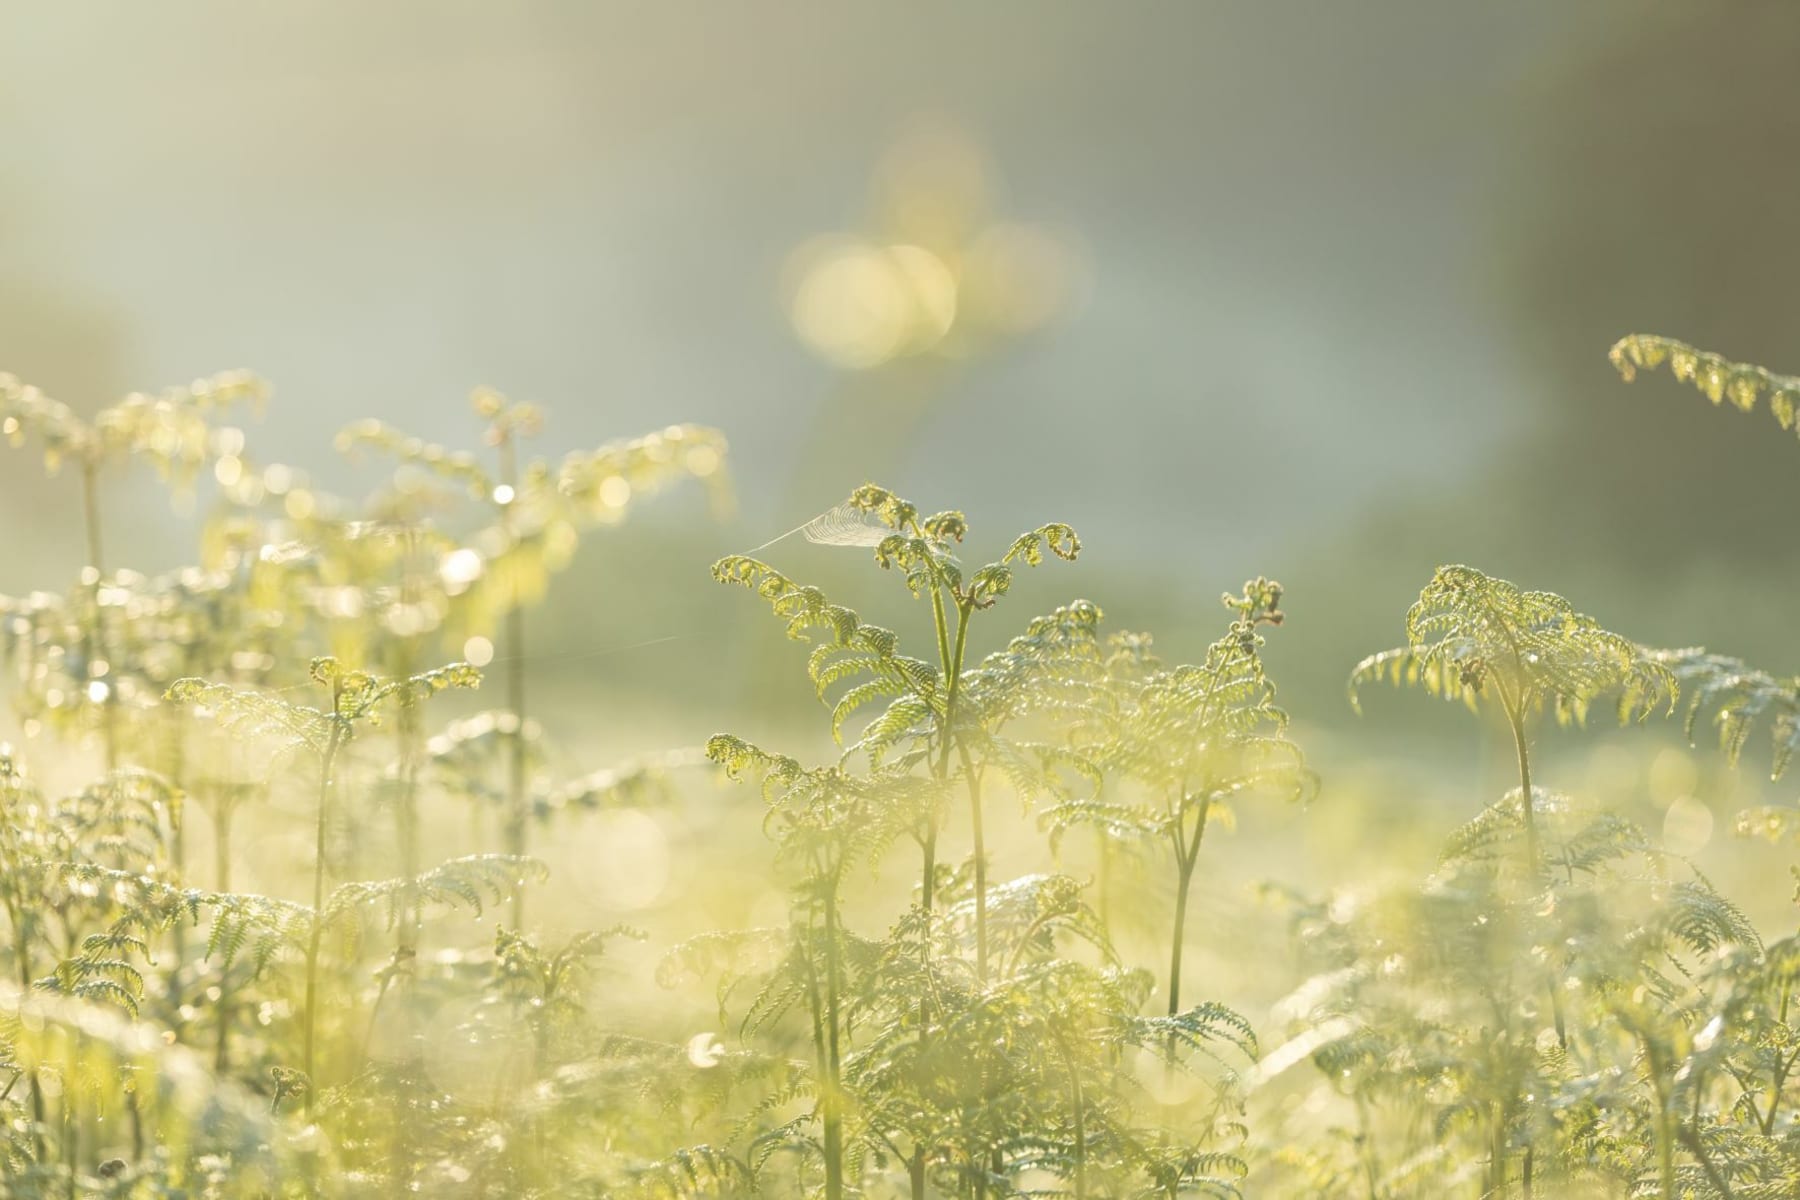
<point>1284,208</point>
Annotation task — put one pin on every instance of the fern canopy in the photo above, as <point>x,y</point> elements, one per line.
<point>1469,632</point>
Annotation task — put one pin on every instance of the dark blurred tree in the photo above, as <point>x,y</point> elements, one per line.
<point>1651,189</point>
<point>1656,193</point>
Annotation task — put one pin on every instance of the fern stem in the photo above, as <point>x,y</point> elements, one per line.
<point>97,648</point>
<point>22,952</point>
<point>947,668</point>
<point>223,810</point>
<point>973,778</point>
<point>71,1122</point>
<point>406,817</point>
<point>327,786</point>
<point>1515,719</point>
<point>177,772</point>
<point>1782,1066</point>
<point>368,1039</point>
<point>1496,1180</point>
<point>518,813</point>
<point>951,659</point>
<point>517,800</point>
<point>1187,854</point>
<point>948,740</point>
<point>941,623</point>
<point>1103,884</point>
<point>916,1167</point>
<point>406,808</point>
<point>1665,1122</point>
<point>1079,1102</point>
<point>952,686</point>
<point>1181,902</point>
<point>833,1100</point>
<point>1695,1146</point>
<point>90,511</point>
<point>1366,1142</point>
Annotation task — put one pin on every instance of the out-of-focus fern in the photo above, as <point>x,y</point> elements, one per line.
<point>1427,1007</point>
<point>213,1138</point>
<point>1738,697</point>
<point>1713,375</point>
<point>1195,738</point>
<point>171,429</point>
<point>1472,637</point>
<point>354,697</point>
<point>926,712</point>
<point>535,511</point>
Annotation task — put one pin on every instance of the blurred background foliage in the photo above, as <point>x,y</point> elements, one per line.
<point>1321,292</point>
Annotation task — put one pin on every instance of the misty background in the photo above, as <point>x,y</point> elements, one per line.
<point>1334,297</point>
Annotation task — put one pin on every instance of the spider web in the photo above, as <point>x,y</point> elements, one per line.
<point>842,525</point>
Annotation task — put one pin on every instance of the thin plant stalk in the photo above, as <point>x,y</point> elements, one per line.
<point>22,954</point>
<point>833,1098</point>
<point>1187,854</point>
<point>327,787</point>
<point>973,778</point>
<point>950,660</point>
<point>1078,1104</point>
<point>1515,719</point>
<point>518,768</point>
<point>406,799</point>
<point>97,649</point>
<point>222,814</point>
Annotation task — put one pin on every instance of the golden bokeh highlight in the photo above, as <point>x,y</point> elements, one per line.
<point>939,276</point>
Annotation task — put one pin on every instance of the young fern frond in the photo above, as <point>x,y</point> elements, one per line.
<point>729,956</point>
<point>866,657</point>
<point>357,696</point>
<point>1470,635</point>
<point>805,609</point>
<point>1702,920</point>
<point>597,485</point>
<point>641,783</point>
<point>1194,734</point>
<point>861,816</point>
<point>254,715</point>
<point>460,467</point>
<point>262,926</point>
<point>172,430</point>
<point>1714,376</point>
<point>1028,916</point>
<point>472,882</point>
<point>600,483</point>
<point>1198,1028</point>
<point>120,820</point>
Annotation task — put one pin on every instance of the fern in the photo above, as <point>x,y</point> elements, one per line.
<point>1470,635</point>
<point>1738,698</point>
<point>171,428</point>
<point>1558,1005</point>
<point>1195,738</point>
<point>1714,376</point>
